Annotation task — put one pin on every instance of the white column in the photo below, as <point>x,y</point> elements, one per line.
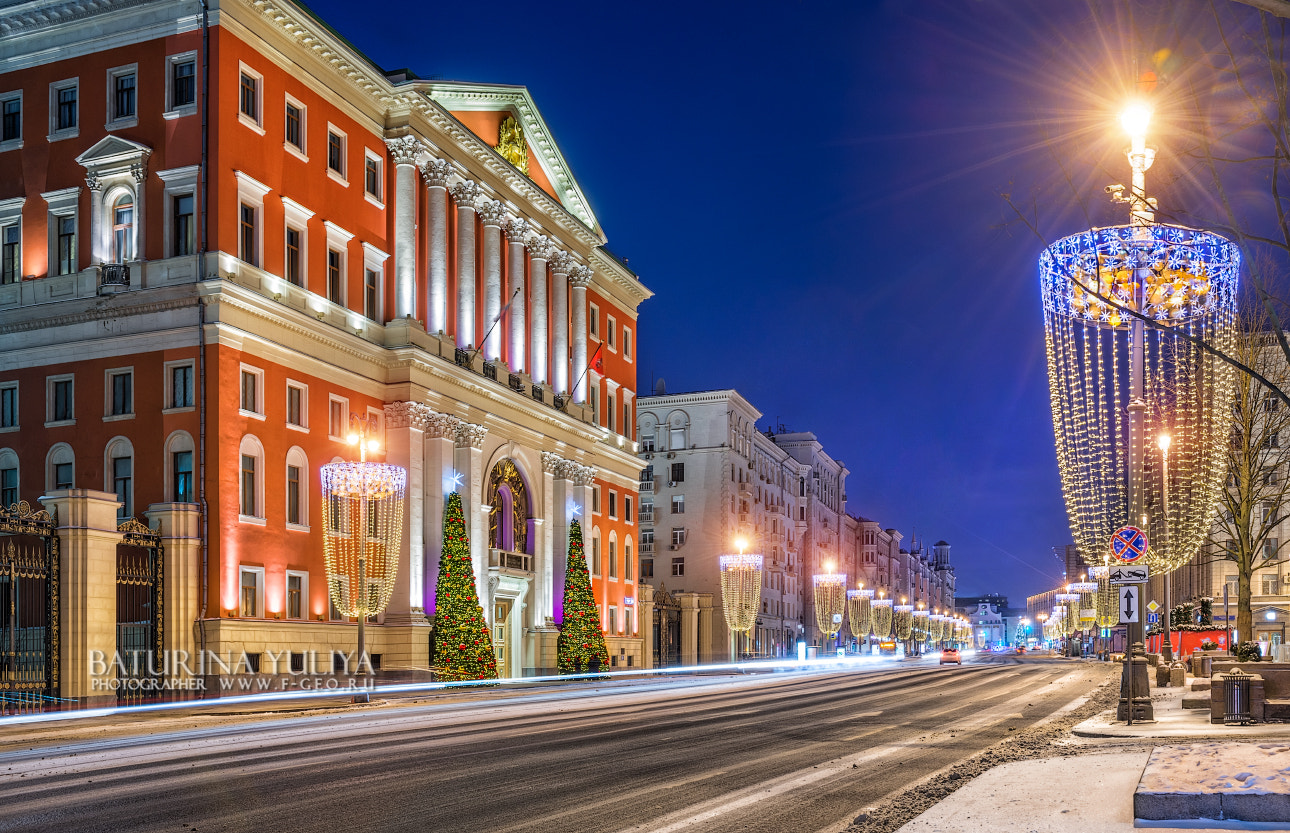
<point>470,464</point>
<point>436,173</point>
<point>465,193</point>
<point>560,266</point>
<point>579,279</point>
<point>540,252</point>
<point>98,240</point>
<point>492,216</point>
<point>403,152</point>
<point>550,557</point>
<point>140,174</point>
<point>404,445</point>
<point>516,296</point>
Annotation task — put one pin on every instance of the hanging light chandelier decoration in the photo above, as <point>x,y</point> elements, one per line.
<point>860,612</point>
<point>1108,600</point>
<point>903,621</point>
<point>830,602</point>
<point>741,577</point>
<point>1086,603</point>
<point>922,625</point>
<point>882,617</point>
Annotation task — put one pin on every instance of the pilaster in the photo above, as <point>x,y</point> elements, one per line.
<point>517,349</point>
<point>179,524</point>
<point>470,465</point>
<point>465,193</point>
<point>540,253</point>
<point>404,441</point>
<point>560,265</point>
<point>579,280</point>
<point>403,152</point>
<point>435,172</point>
<point>492,217</point>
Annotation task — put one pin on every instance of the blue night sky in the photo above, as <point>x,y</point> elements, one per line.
<point>813,191</point>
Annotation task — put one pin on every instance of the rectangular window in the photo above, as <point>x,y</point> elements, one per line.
<point>250,593</point>
<point>647,442</point>
<point>678,504</point>
<point>248,504</point>
<point>627,509</point>
<point>9,407</point>
<point>181,386</point>
<point>181,225</point>
<point>1270,548</point>
<point>296,126</point>
<point>595,556</point>
<point>123,95</point>
<point>371,294</point>
<point>296,406</point>
<point>337,422</point>
<point>293,495</point>
<point>613,621</point>
<point>247,236</point>
<point>11,118</point>
<point>249,101</point>
<point>8,487</point>
<point>613,558</point>
<point>63,475</point>
<point>595,500</point>
<point>293,271</point>
<point>63,406</point>
<point>593,320</point>
<point>335,285</point>
<point>66,228</point>
<point>122,475</point>
<point>336,152</point>
<point>627,344</point>
<point>647,568</point>
<point>628,574</point>
<point>65,110</point>
<point>252,391</point>
<point>678,536</point>
<point>10,254</point>
<point>678,473</point>
<point>372,176</point>
<point>122,394</point>
<point>295,596</point>
<point>611,328</point>
<point>181,463</point>
<point>183,83</point>
<point>1271,586</point>
<point>678,566</point>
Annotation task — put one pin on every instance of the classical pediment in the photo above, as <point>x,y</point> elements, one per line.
<point>112,152</point>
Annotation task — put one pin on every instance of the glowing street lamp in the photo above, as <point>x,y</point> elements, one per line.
<point>362,530</point>
<point>741,577</point>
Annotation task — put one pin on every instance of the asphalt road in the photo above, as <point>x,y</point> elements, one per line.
<point>799,751</point>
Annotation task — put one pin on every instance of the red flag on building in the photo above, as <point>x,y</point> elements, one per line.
<point>597,360</point>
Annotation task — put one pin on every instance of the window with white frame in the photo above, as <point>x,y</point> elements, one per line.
<point>374,282</point>
<point>250,98</point>
<point>627,343</point>
<point>297,489</point>
<point>123,230</point>
<point>9,406</point>
<point>611,329</point>
<point>611,407</point>
<point>8,477</point>
<point>251,592</point>
<point>336,141</point>
<point>180,451</point>
<point>629,564</point>
<point>179,385</point>
<point>297,601</point>
<point>61,206</point>
<point>11,120</point>
<point>628,517</point>
<point>337,262</point>
<point>297,406</point>
<point>60,401</point>
<point>11,239</point>
<point>180,210</point>
<point>250,480</point>
<point>123,97</point>
<point>60,467</point>
<point>119,393</point>
<point>295,124</point>
<point>64,109</point>
<point>119,475</point>
<point>595,552</point>
<point>373,177</point>
<point>613,557</point>
<point>593,321</point>
<point>251,391</point>
<point>337,417</point>
<point>595,500</point>
<point>250,218</point>
<point>613,504</point>
<point>295,262</point>
<point>181,85</point>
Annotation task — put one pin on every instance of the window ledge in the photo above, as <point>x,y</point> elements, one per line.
<point>331,174</point>
<point>12,144</point>
<point>10,429</point>
<point>122,124</point>
<point>60,135</point>
<point>250,519</point>
<point>250,122</point>
<point>297,527</point>
<point>118,417</point>
<point>373,200</point>
<point>295,151</point>
<point>187,409</point>
<point>250,414</point>
<point>60,423</point>
<point>303,429</point>
<point>180,112</point>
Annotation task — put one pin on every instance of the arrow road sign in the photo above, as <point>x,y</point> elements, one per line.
<point>1129,575</point>
<point>1129,604</point>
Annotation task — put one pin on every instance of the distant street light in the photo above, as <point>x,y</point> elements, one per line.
<point>741,577</point>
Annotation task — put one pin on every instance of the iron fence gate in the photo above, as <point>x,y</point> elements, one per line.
<point>667,629</point>
<point>29,597</point>
<point>140,661</point>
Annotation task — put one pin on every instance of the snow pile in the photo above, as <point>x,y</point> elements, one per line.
<point>1228,768</point>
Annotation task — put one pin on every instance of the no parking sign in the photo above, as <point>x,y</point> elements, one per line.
<point>1128,544</point>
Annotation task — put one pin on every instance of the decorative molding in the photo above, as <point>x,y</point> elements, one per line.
<point>551,462</point>
<point>140,171</point>
<point>404,150</point>
<point>436,173</point>
<point>491,213</point>
<point>580,276</point>
<point>406,415</point>
<point>465,193</point>
<point>51,14</point>
<point>93,182</point>
<point>561,263</point>
<point>515,229</point>
<point>511,146</point>
<point>470,435</point>
<point>541,248</point>
<point>581,475</point>
<point>441,426</point>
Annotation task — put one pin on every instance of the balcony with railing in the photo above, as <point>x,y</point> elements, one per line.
<point>114,277</point>
<point>646,514</point>
<point>515,563</point>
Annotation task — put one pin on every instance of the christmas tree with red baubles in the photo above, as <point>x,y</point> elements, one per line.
<point>581,639</point>
<point>463,646</point>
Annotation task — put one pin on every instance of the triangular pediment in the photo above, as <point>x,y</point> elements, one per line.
<point>547,166</point>
<point>113,151</point>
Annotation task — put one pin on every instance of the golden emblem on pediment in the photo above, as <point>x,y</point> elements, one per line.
<point>511,144</point>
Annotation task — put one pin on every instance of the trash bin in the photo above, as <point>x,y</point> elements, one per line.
<point>1236,697</point>
<point>1207,666</point>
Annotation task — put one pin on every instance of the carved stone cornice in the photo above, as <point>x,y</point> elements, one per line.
<point>581,475</point>
<point>441,426</point>
<point>580,276</point>
<point>561,263</point>
<point>49,14</point>
<point>541,248</point>
<point>436,173</point>
<point>406,415</point>
<point>404,150</point>
<point>465,193</point>
<point>551,462</point>
<point>491,213</point>
<point>470,435</point>
<point>93,182</point>
<point>139,172</point>
<point>515,229</point>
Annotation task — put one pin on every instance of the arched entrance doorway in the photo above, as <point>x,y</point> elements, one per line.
<point>510,564</point>
<point>667,629</point>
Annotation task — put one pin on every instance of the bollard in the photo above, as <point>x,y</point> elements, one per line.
<point>1236,697</point>
<point>1178,674</point>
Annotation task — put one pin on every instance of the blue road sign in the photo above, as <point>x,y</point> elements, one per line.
<point>1153,618</point>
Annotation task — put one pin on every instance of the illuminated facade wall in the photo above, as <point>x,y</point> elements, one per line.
<point>351,242</point>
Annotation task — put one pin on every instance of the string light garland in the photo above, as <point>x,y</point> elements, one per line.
<point>1085,593</point>
<point>860,612</point>
<point>903,621</point>
<point>741,577</point>
<point>1108,599</point>
<point>830,602</point>
<point>881,610</point>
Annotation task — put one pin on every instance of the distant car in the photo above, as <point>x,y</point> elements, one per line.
<point>951,655</point>
<point>1021,649</point>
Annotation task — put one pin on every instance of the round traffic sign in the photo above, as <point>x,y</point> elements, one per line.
<point>1128,544</point>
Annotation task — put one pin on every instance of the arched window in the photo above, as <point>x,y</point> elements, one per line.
<point>250,480</point>
<point>613,555</point>
<point>118,475</point>
<point>8,477</point>
<point>123,229</point>
<point>629,565</point>
<point>595,551</point>
<point>60,467</point>
<point>178,473</point>
<point>297,489</point>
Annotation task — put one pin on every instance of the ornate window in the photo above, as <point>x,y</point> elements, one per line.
<point>508,520</point>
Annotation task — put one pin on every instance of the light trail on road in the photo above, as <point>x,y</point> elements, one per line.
<point>802,751</point>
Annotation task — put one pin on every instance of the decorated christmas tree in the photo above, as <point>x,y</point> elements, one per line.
<point>463,646</point>
<point>581,639</point>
